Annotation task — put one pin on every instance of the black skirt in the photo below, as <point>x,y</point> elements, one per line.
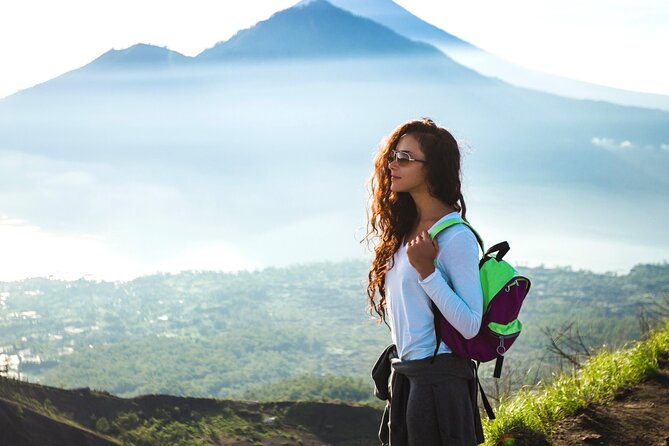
<point>434,403</point>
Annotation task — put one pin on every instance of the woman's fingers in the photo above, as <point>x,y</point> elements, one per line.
<point>421,241</point>
<point>421,251</point>
<point>423,237</point>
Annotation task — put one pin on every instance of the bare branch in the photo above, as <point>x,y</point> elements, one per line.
<point>567,343</point>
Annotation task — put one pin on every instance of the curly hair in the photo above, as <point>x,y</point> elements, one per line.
<point>392,215</point>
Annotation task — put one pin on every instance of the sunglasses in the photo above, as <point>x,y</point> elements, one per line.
<point>403,158</point>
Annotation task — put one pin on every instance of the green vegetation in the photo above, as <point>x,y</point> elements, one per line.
<point>316,388</point>
<point>287,332</point>
<point>537,409</point>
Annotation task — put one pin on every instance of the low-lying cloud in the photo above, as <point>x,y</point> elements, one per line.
<point>626,145</point>
<point>612,144</point>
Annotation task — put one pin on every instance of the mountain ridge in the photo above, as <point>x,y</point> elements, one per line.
<point>314,29</point>
<point>139,55</point>
<point>91,418</point>
<point>404,23</point>
<point>313,32</point>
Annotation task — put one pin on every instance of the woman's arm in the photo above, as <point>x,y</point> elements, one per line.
<point>461,304</point>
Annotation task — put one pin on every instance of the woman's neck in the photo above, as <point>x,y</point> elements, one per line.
<point>429,208</point>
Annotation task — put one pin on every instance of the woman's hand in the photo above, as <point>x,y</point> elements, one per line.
<point>421,252</point>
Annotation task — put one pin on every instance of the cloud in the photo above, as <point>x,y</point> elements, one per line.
<point>612,144</point>
<point>626,145</point>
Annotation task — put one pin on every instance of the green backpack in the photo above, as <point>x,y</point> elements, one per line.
<point>504,291</point>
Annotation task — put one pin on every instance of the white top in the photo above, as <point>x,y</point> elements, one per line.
<point>455,288</point>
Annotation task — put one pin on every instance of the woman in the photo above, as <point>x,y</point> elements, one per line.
<point>415,185</point>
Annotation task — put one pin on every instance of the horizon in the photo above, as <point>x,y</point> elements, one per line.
<point>262,269</point>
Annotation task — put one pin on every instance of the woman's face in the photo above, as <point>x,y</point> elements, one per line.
<point>408,176</point>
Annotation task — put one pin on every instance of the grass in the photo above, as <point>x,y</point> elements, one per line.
<point>538,409</point>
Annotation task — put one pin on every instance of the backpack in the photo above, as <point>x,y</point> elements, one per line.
<point>504,291</point>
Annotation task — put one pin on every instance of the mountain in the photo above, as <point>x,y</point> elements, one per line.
<point>139,56</point>
<point>315,29</point>
<point>392,15</point>
<point>129,66</point>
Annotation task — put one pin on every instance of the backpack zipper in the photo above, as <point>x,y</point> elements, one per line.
<point>501,350</point>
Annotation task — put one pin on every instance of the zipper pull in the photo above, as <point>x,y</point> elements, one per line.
<point>500,348</point>
<point>508,287</point>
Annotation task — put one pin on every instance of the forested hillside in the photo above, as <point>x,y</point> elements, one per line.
<point>292,333</point>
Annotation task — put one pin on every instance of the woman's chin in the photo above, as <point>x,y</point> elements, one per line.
<point>396,188</point>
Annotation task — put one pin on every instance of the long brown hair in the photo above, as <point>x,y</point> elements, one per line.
<point>392,215</point>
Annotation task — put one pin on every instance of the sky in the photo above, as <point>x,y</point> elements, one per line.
<point>618,43</point>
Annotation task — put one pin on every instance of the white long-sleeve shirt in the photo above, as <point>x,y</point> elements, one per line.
<point>455,288</point>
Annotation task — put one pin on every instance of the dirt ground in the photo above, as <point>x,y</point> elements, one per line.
<point>637,416</point>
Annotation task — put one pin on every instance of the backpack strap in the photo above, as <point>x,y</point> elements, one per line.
<point>433,232</point>
<point>454,221</point>
<point>437,329</point>
<point>484,398</point>
<point>498,366</point>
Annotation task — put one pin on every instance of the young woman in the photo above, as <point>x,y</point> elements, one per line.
<point>415,185</point>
